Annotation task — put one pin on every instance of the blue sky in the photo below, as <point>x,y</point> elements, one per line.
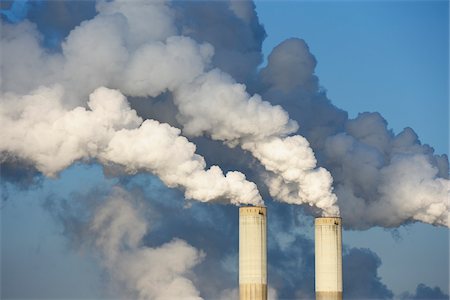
<point>385,56</point>
<point>390,57</point>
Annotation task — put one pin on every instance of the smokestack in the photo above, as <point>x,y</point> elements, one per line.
<point>328,243</point>
<point>252,253</point>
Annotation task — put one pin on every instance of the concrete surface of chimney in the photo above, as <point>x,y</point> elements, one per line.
<point>252,253</point>
<point>328,251</point>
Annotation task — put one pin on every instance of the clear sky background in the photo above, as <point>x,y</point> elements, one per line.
<point>390,57</point>
<point>384,56</point>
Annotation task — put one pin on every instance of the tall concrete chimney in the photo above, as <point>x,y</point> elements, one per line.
<point>252,253</point>
<point>328,244</point>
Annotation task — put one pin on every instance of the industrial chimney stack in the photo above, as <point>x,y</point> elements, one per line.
<point>328,244</point>
<point>252,253</point>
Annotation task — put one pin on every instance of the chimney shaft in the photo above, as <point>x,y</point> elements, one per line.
<point>328,244</point>
<point>252,253</point>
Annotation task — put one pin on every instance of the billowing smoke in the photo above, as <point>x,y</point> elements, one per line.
<point>380,178</point>
<point>147,62</point>
<point>194,65</point>
<point>216,105</point>
<point>409,182</point>
<point>39,129</point>
<point>171,52</point>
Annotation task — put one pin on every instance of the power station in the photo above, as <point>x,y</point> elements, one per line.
<point>253,255</point>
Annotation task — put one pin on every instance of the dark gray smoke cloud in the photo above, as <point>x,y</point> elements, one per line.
<point>290,253</point>
<point>361,280</point>
<point>20,174</point>
<point>231,27</point>
<point>425,292</point>
<point>112,228</point>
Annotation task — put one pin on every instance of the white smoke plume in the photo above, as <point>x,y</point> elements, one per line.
<point>142,63</point>
<point>116,232</point>
<point>216,105</point>
<point>294,177</point>
<point>172,52</point>
<point>39,129</point>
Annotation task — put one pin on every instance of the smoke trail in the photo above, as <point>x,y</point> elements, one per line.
<point>216,105</point>
<point>120,50</point>
<point>211,103</point>
<point>37,128</point>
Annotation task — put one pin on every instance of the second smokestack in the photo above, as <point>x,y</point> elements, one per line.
<point>328,244</point>
<point>252,253</point>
